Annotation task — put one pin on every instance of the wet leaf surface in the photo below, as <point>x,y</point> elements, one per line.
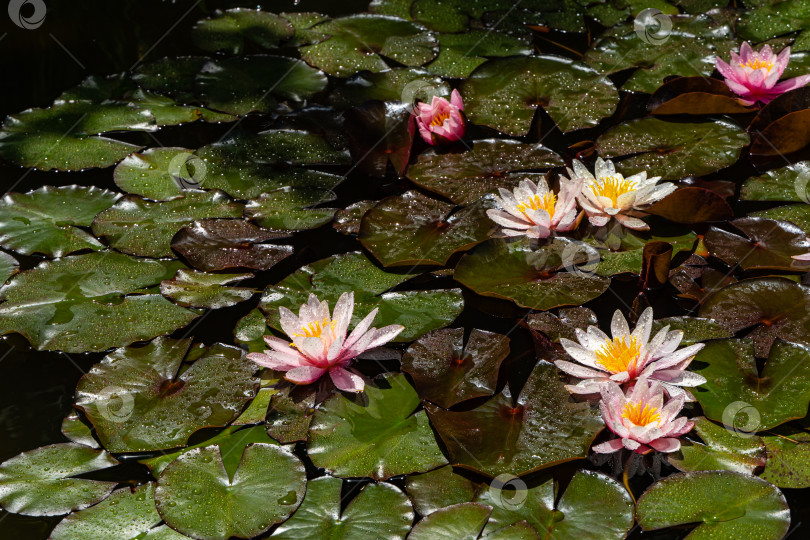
<point>769,243</point>
<point>722,448</point>
<point>190,288</point>
<point>230,30</point>
<point>787,450</point>
<point>438,488</point>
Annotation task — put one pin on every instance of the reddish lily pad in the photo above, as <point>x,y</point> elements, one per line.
<point>538,429</point>
<point>447,371</point>
<point>770,243</point>
<point>380,132</point>
<point>695,96</point>
<point>783,125</point>
<point>691,205</point>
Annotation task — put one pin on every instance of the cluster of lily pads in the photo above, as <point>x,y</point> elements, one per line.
<point>486,183</point>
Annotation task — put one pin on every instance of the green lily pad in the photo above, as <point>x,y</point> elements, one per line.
<point>378,437</point>
<point>532,278</point>
<point>438,488</point>
<point>538,429</point>
<point>798,214</point>
<point>723,448</point>
<point>159,174</point>
<point>672,150</point>
<point>593,507</point>
<point>42,482</point>
<point>742,398</point>
<point>347,220</point>
<point>504,93</point>
<point>173,76</point>
<point>379,512</point>
<point>460,521</point>
<point>138,401</point>
<point>460,54</point>
<point>75,430</point>
<point>563,325</point>
<point>412,229</point>
<point>687,48</point>
<point>766,20</point>
<point>91,302</point>
<point>447,371</point>
<point>232,29</point>
<point>250,330</point>
<point>196,496</point>
<point>218,244</point>
<point>418,311</point>
<point>695,329</point>
<point>772,307</point>
<point>631,257</point>
<point>306,27</point>
<point>789,183</point>
<point>290,413</point>
<point>47,220</point>
<point>724,504</point>
<point>490,164</point>
<point>787,449</point>
<point>66,137</point>
<point>360,42</point>
<point>289,209</point>
<point>125,514</point>
<point>190,288</point>
<point>140,227</point>
<point>245,84</point>
<point>8,266</point>
<point>769,243</point>
<point>397,84</point>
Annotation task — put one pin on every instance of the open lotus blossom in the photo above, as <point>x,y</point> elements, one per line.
<point>627,356</point>
<point>320,344</point>
<point>535,211</point>
<point>641,420</point>
<point>609,194</point>
<point>441,121</point>
<point>753,75</point>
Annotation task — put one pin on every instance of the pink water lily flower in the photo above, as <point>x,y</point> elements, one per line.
<point>641,420</point>
<point>608,194</point>
<point>441,121</point>
<point>535,211</point>
<point>753,75</point>
<point>629,356</point>
<point>320,344</point>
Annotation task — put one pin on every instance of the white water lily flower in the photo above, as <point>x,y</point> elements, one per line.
<point>320,344</point>
<point>609,194</point>
<point>627,356</point>
<point>535,211</point>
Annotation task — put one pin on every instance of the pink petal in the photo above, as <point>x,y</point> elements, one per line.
<point>666,445</point>
<point>346,381</point>
<point>609,447</point>
<point>791,84</point>
<point>304,374</point>
<point>455,100</point>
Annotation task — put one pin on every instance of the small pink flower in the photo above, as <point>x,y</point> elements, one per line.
<point>442,121</point>
<point>320,344</point>
<point>535,211</point>
<point>753,75</point>
<point>641,420</point>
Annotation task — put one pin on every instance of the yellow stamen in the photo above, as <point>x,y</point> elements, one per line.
<point>314,329</point>
<point>756,63</point>
<point>616,355</point>
<point>439,119</point>
<point>546,202</point>
<point>612,187</point>
<point>641,416</point>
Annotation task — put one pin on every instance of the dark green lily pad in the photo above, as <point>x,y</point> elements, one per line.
<point>306,27</point>
<point>232,29</point>
<point>245,84</point>
<point>75,430</point>
<point>290,414</point>
<point>539,279</point>
<point>447,371</point>
<point>504,93</point>
<point>398,84</point>
<point>289,209</point>
<point>379,437</point>
<point>489,165</point>
<point>250,330</point>
<point>412,229</point>
<point>159,174</point>
<point>418,311</point>
<point>538,429</point>
<point>672,150</point>
<point>769,243</point>
<point>438,488</point>
<point>47,220</point>
<point>724,504</point>
<point>219,244</point>
<point>8,266</point>
<point>126,513</point>
<point>41,482</point>
<point>460,54</point>
<point>196,496</point>
<point>463,520</point>
<point>788,450</point>
<point>140,227</point>
<point>190,288</point>
<point>790,183</point>
<point>138,401</point>
<point>65,137</point>
<point>91,302</point>
<point>766,20</point>
<point>379,512</point>
<point>631,257</point>
<point>723,448</point>
<point>772,307</point>
<point>563,325</point>
<point>593,507</point>
<point>798,214</point>
<point>695,329</point>
<point>360,42</point>
<point>688,48</point>
<point>746,400</point>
